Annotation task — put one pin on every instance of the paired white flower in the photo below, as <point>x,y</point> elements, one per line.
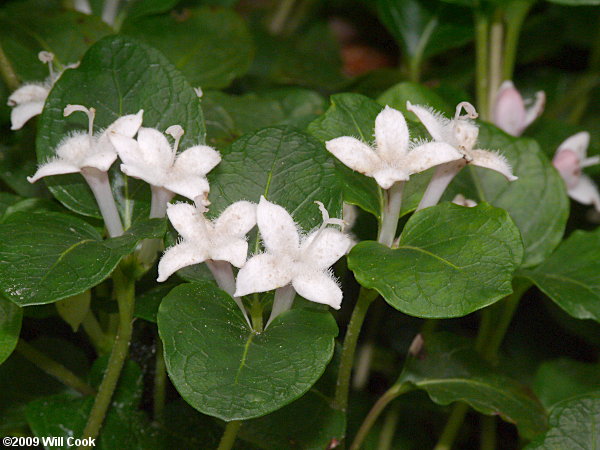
<point>394,158</point>
<point>569,159</point>
<point>88,150</point>
<point>223,239</point>
<point>511,113</point>
<point>152,159</point>
<point>28,101</point>
<point>289,258</point>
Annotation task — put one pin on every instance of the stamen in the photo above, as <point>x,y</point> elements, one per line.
<point>175,131</point>
<point>201,202</point>
<point>91,113</point>
<point>326,219</point>
<point>469,109</point>
<point>591,161</point>
<point>47,58</point>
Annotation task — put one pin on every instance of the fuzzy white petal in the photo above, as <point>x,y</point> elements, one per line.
<point>331,245</point>
<point>319,287</point>
<point>186,220</point>
<point>29,93</point>
<point>179,256</point>
<point>127,148</point>
<point>20,114</point>
<point>434,123</point>
<point>387,176</point>
<point>56,167</point>
<point>577,143</point>
<point>494,161</point>
<point>101,160</point>
<point>189,186</point>
<point>277,228</point>
<point>237,219</point>
<point>155,148</point>
<point>234,251</point>
<point>431,154</point>
<point>126,125</point>
<point>355,154</point>
<point>586,192</point>
<point>198,160</point>
<point>263,273</point>
<point>391,135</point>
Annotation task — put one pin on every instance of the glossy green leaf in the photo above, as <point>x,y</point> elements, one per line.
<point>33,205</point>
<point>74,309</point>
<point>425,27</point>
<point>352,115</point>
<point>117,76</point>
<point>6,201</point>
<point>310,423</point>
<point>537,201</point>
<point>228,117</point>
<point>563,378</point>
<point>573,425</point>
<point>146,304</point>
<point>224,369</point>
<point>450,370</point>
<point>441,271</point>
<point>571,275</point>
<point>417,94</point>
<point>288,167</point>
<point>65,33</point>
<point>51,256</point>
<point>211,46</point>
<point>10,327</point>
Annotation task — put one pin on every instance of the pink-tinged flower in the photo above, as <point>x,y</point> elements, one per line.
<point>222,239</point>
<point>511,113</point>
<point>394,157</point>
<point>569,159</point>
<point>303,261</point>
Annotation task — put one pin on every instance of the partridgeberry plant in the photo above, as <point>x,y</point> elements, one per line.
<point>253,225</point>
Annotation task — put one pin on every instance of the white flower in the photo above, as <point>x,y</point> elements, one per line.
<point>81,150</point>
<point>223,239</point>
<point>461,200</point>
<point>28,101</point>
<point>461,133</point>
<point>290,258</point>
<point>152,159</point>
<point>394,158</point>
<point>511,113</point>
<point>569,159</point>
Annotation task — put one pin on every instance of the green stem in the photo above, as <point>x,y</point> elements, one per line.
<point>160,381</point>
<point>53,368</point>
<point>229,435</point>
<point>388,430</point>
<point>488,433</point>
<point>455,421</point>
<point>7,72</point>
<point>365,298</point>
<point>391,212</point>
<point>515,16</point>
<point>495,66</point>
<point>392,393</point>
<point>256,314</point>
<point>281,15</point>
<point>97,337</point>
<point>125,293</point>
<point>481,63</point>
<point>416,61</point>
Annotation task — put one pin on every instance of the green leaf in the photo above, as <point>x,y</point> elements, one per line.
<point>537,201</point>
<point>573,424</point>
<point>352,115</point>
<point>417,94</point>
<point>576,2</point>
<point>224,369</point>
<point>117,76</point>
<point>571,276</point>
<point>6,201</point>
<point>74,309</point>
<point>65,33</point>
<point>34,205</point>
<point>310,423</point>
<point>441,271</point>
<point>450,370</point>
<point>425,27</point>
<point>563,378</point>
<point>230,116</point>
<point>138,8</point>
<point>51,256</point>
<point>146,304</point>
<point>10,327</point>
<point>288,167</point>
<point>211,46</point>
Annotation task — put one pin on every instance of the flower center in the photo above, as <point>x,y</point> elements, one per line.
<point>91,113</point>
<point>175,131</point>
<point>465,133</point>
<point>326,221</point>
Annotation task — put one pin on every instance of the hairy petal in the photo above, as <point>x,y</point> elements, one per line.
<point>179,256</point>
<point>126,125</point>
<point>277,228</point>
<point>155,148</point>
<point>355,154</point>
<point>391,135</point>
<point>263,273</point>
<point>197,160</point>
<point>20,114</point>
<point>234,251</point>
<point>237,219</point>
<point>189,186</point>
<point>319,287</point>
<point>329,246</point>
<point>431,154</point>
<point>387,176</point>
<point>56,167</point>
<point>494,161</point>
<point>435,123</point>
<point>187,221</point>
